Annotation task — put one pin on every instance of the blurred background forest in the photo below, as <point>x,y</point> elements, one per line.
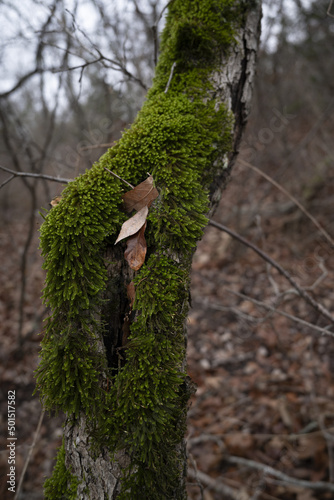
<point>74,74</point>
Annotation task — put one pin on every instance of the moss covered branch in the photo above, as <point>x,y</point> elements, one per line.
<point>185,136</point>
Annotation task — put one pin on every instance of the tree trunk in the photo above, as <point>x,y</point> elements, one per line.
<point>118,369</point>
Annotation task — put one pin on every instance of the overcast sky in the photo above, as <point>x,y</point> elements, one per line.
<point>21,19</point>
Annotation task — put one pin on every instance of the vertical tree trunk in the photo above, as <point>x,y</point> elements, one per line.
<point>117,370</point>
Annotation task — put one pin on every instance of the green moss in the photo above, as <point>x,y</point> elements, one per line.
<point>179,137</point>
<point>62,485</point>
<point>196,35</point>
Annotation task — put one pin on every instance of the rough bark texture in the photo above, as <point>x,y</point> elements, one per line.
<point>143,407</point>
<point>99,476</point>
<point>233,83</point>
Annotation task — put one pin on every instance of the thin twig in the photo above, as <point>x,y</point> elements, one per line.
<point>198,483</point>
<point>318,307</point>
<point>268,266</point>
<point>283,190</point>
<point>20,82</point>
<point>217,486</point>
<point>30,174</point>
<point>79,66</point>
<point>329,9</point>
<point>96,146</point>
<point>320,278</point>
<point>118,177</point>
<point>163,10</point>
<point>24,262</point>
<point>329,438</point>
<point>155,32</point>
<point>29,455</point>
<point>205,438</point>
<point>7,180</point>
<point>170,77</point>
<point>316,485</point>
<point>281,313</point>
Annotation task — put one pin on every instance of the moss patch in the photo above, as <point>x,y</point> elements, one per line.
<point>62,484</point>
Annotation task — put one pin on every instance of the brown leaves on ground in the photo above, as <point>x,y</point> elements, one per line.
<point>265,383</point>
<point>140,199</point>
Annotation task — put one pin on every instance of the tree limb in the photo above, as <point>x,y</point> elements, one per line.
<point>217,486</point>
<point>31,449</point>
<point>20,82</point>
<point>316,485</point>
<point>30,174</point>
<point>282,313</point>
<point>318,307</point>
<point>289,195</point>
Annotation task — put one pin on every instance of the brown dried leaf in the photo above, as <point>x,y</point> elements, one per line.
<point>136,249</point>
<point>131,293</point>
<point>54,202</point>
<point>133,225</point>
<point>141,196</point>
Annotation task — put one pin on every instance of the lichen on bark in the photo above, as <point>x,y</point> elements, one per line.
<point>183,136</point>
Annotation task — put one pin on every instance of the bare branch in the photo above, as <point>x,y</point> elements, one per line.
<point>317,485</point>
<point>122,69</point>
<point>329,9</point>
<point>118,177</point>
<point>198,483</point>
<point>30,174</point>
<point>96,146</point>
<point>115,64</point>
<point>7,181</point>
<point>155,32</point>
<point>31,449</point>
<point>170,77</point>
<point>163,10</point>
<point>283,190</point>
<point>20,82</point>
<point>318,307</point>
<point>215,485</point>
<point>79,66</point>
<point>278,311</point>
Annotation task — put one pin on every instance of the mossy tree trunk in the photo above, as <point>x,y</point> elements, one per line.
<point>126,400</point>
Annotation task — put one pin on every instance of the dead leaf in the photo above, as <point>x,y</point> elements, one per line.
<point>131,293</point>
<point>239,442</point>
<point>286,415</point>
<point>140,196</point>
<point>133,225</point>
<point>305,495</point>
<point>54,202</point>
<point>136,249</point>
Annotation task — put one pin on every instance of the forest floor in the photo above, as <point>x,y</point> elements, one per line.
<point>265,382</point>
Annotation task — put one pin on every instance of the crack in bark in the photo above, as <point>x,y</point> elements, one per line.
<point>116,308</point>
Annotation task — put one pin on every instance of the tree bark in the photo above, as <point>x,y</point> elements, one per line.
<point>233,83</point>
<point>143,454</point>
